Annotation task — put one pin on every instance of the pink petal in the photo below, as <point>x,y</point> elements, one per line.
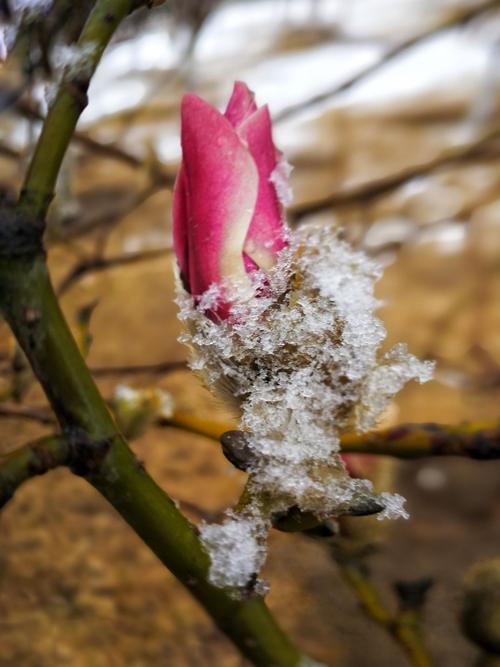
<point>360,465</point>
<point>221,184</point>
<point>241,104</point>
<point>267,234</point>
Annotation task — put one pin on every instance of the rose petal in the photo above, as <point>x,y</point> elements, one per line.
<point>241,104</point>
<point>267,234</point>
<point>221,184</point>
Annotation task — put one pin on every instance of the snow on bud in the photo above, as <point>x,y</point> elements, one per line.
<point>228,220</point>
<point>280,325</point>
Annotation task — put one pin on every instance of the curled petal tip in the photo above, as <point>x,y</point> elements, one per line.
<point>241,105</point>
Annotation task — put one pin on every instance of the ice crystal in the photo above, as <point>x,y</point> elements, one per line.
<point>31,6</point>
<point>23,12</point>
<point>299,360</point>
<point>394,507</point>
<point>237,550</point>
<point>280,179</point>
<point>73,59</point>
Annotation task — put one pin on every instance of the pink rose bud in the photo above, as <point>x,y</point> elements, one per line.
<point>228,220</point>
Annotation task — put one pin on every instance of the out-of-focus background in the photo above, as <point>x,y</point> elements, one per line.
<point>389,112</point>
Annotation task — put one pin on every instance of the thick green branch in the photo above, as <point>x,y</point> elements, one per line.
<point>70,101</point>
<point>104,458</point>
<point>97,451</point>
<point>35,458</point>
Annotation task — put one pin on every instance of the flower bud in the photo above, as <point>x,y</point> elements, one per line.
<point>227,216</point>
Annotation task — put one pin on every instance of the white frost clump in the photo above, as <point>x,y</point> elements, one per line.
<point>299,359</point>
<point>23,11</point>
<point>237,550</point>
<point>280,179</point>
<point>74,60</point>
<point>393,507</point>
<point>31,7</point>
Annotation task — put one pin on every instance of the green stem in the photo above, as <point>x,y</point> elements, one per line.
<point>35,458</point>
<point>102,456</point>
<point>70,101</point>
<point>405,626</point>
<point>98,451</point>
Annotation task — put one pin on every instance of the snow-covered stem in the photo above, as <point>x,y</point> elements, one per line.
<point>475,440</point>
<point>101,455</point>
<point>300,360</point>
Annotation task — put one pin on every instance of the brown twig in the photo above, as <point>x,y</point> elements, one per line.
<point>366,192</point>
<point>97,264</point>
<point>112,151</point>
<point>405,626</point>
<point>161,368</point>
<point>40,415</point>
<point>111,217</point>
<point>476,440</point>
<point>460,18</point>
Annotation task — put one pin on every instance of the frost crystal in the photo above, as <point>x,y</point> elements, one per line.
<point>237,550</point>
<point>299,360</point>
<point>74,60</point>
<point>31,6</point>
<point>394,507</point>
<point>23,12</point>
<point>280,179</point>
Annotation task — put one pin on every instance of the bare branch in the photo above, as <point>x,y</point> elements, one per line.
<point>98,264</point>
<point>366,192</point>
<point>477,440</point>
<point>35,458</point>
<point>459,18</point>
